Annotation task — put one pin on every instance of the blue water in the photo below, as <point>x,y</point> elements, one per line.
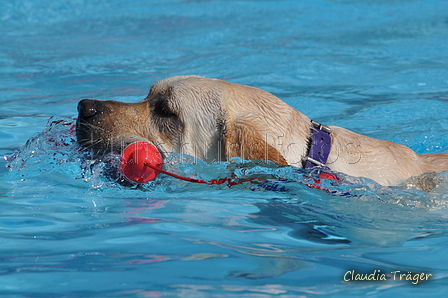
<point>379,68</point>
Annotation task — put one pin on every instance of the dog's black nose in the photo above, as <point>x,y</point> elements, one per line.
<point>87,108</point>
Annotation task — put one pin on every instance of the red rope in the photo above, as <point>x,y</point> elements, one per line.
<point>316,184</point>
<point>210,182</point>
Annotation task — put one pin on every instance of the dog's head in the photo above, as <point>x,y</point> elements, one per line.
<point>209,119</point>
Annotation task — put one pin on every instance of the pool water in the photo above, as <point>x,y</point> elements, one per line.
<point>67,229</point>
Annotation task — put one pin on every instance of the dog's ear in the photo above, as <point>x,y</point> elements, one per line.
<point>245,137</point>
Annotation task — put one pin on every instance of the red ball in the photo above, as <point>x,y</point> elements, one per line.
<point>134,158</point>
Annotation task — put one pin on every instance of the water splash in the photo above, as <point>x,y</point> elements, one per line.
<point>53,153</point>
<point>55,145</point>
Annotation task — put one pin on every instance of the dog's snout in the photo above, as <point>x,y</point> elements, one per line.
<point>87,108</point>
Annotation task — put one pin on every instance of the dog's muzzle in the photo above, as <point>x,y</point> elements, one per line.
<point>87,108</point>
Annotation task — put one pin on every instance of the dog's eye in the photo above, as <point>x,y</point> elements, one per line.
<point>161,109</point>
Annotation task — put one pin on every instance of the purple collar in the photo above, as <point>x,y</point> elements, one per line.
<point>319,145</point>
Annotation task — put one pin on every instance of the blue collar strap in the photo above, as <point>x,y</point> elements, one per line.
<point>319,145</point>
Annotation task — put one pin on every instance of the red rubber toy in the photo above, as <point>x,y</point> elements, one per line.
<point>135,159</point>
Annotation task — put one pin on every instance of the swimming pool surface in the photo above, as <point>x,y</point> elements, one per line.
<point>379,68</point>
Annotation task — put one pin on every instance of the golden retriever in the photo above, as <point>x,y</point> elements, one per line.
<point>214,120</point>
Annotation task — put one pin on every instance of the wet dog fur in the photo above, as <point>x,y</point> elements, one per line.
<point>214,120</point>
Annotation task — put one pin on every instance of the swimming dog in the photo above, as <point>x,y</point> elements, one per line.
<point>215,120</point>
